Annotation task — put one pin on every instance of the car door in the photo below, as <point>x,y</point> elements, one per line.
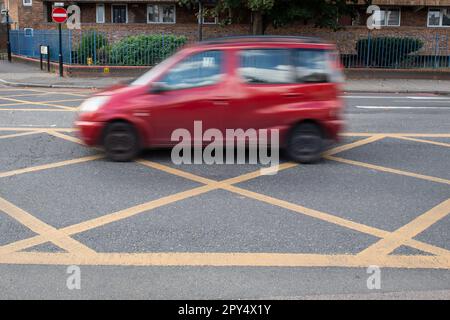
<point>266,83</point>
<point>192,92</point>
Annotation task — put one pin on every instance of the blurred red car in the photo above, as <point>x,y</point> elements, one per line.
<point>287,83</point>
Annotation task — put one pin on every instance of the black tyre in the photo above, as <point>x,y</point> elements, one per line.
<point>121,142</point>
<point>305,144</point>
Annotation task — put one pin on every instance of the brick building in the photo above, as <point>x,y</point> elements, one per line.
<point>421,18</point>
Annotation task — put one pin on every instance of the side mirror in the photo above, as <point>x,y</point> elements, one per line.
<point>158,87</point>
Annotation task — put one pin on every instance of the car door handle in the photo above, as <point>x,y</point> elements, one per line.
<point>220,101</point>
<point>293,95</point>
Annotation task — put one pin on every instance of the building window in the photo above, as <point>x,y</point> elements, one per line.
<point>100,13</point>
<point>389,17</point>
<point>439,17</point>
<point>119,13</point>
<point>27,3</point>
<point>209,20</point>
<point>161,13</point>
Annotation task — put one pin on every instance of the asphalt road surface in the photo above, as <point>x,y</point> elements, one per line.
<point>151,229</point>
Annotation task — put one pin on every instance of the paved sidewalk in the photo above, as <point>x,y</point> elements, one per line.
<point>17,74</point>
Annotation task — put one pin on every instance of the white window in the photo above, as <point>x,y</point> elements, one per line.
<point>100,13</point>
<point>439,17</point>
<point>119,13</point>
<point>161,13</point>
<point>389,17</point>
<point>209,20</point>
<point>28,2</point>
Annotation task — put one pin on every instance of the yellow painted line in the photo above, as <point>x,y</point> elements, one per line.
<point>225,260</point>
<point>41,129</point>
<point>50,233</point>
<point>36,110</point>
<point>14,135</point>
<point>65,137</point>
<point>354,145</point>
<point>437,143</point>
<point>389,170</point>
<point>176,172</point>
<point>23,95</point>
<point>53,101</point>
<point>49,166</point>
<point>418,135</point>
<point>38,103</point>
<point>212,185</point>
<point>410,230</point>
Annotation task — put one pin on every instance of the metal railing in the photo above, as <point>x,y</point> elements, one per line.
<point>357,50</point>
<point>409,52</point>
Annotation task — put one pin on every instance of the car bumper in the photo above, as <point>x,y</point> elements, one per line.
<point>334,128</point>
<point>89,131</point>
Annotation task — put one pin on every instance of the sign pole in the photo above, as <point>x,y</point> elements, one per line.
<point>8,40</point>
<point>60,51</point>
<point>200,23</point>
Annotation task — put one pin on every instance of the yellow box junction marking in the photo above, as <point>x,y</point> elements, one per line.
<point>376,254</point>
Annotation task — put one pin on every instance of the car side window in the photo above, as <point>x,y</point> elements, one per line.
<point>266,66</point>
<point>201,69</point>
<point>312,65</point>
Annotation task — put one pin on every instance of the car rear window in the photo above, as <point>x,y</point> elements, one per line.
<point>312,65</point>
<point>266,66</point>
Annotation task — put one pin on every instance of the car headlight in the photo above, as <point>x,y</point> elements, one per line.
<point>93,104</point>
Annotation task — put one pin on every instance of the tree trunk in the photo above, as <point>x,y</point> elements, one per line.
<point>258,23</point>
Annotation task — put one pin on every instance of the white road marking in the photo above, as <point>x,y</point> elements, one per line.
<point>400,107</point>
<point>396,97</point>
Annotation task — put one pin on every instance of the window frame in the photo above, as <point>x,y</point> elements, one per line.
<point>98,5</point>
<point>126,12</point>
<point>291,64</point>
<point>160,13</point>
<point>27,4</point>
<point>441,17</point>
<point>223,70</point>
<point>386,20</point>
<point>327,72</point>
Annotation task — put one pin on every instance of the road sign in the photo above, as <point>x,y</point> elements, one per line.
<point>59,15</point>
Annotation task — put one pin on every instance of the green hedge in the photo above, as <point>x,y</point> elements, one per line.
<point>144,49</point>
<point>386,51</point>
<point>91,44</point>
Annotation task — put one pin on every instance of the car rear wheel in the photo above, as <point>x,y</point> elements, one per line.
<point>305,143</point>
<point>121,142</point>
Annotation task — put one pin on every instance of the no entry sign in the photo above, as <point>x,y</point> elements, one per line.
<point>59,15</point>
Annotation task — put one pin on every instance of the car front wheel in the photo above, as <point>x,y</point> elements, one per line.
<point>305,144</point>
<point>121,142</point>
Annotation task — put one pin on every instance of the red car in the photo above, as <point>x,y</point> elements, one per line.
<point>290,84</point>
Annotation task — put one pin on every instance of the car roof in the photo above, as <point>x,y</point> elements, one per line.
<point>244,41</point>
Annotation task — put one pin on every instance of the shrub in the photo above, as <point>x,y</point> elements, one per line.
<point>386,51</point>
<point>144,50</point>
<point>90,45</point>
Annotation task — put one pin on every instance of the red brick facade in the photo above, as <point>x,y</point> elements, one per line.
<point>413,22</point>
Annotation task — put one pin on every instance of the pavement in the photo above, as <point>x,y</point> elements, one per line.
<point>17,74</point>
<point>151,229</point>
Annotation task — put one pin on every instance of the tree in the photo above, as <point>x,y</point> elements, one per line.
<point>278,13</point>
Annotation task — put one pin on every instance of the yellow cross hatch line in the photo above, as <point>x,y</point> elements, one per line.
<point>389,240</point>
